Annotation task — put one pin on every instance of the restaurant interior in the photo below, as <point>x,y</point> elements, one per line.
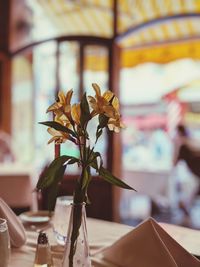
<point>148,54</point>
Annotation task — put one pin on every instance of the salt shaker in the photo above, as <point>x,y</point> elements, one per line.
<point>43,252</point>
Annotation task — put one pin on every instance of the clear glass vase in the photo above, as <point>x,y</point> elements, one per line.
<point>77,248</point>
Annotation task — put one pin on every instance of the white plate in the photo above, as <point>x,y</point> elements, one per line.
<point>35,216</point>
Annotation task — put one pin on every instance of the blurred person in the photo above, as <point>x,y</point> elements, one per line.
<point>6,154</point>
<point>187,150</point>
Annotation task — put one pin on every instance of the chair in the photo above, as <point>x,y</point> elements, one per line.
<point>99,193</point>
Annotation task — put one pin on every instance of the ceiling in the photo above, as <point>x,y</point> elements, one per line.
<point>147,30</point>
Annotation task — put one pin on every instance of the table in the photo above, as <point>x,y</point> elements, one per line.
<point>100,234</point>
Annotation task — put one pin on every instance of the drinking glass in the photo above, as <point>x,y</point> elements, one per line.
<point>4,243</point>
<point>61,217</point>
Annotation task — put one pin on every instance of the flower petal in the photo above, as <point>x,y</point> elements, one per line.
<point>61,97</point>
<point>97,89</point>
<point>54,132</point>
<point>76,113</point>
<point>58,136</point>
<point>108,95</point>
<point>54,106</point>
<point>69,97</point>
<point>115,124</point>
<point>115,103</point>
<point>109,111</point>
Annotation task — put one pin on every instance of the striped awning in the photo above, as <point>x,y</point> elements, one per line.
<point>160,53</point>
<point>147,30</point>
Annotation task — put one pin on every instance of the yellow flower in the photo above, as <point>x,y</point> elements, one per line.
<point>115,124</point>
<point>115,104</point>
<point>63,103</point>
<point>61,118</point>
<point>58,136</point>
<point>100,103</point>
<point>76,113</point>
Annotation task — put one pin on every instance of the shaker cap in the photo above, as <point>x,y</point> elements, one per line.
<point>42,238</point>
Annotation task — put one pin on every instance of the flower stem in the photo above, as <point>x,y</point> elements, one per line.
<point>79,199</point>
<point>77,218</point>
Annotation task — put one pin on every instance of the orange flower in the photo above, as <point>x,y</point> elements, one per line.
<point>58,136</point>
<point>76,113</point>
<point>115,124</point>
<point>63,104</point>
<point>115,104</point>
<point>61,118</point>
<point>100,103</point>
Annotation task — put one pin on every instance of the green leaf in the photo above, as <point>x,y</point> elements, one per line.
<point>73,160</point>
<point>54,172</point>
<point>59,127</point>
<point>52,195</point>
<point>86,178</point>
<point>103,121</point>
<point>52,176</point>
<point>87,152</point>
<point>85,111</point>
<point>107,176</point>
<point>98,133</point>
<point>93,159</point>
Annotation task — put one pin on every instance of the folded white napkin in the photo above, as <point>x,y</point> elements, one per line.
<point>15,227</point>
<point>148,245</point>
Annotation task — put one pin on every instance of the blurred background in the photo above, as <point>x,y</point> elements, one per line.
<point>148,53</point>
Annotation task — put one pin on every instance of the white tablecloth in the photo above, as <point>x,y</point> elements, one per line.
<point>101,234</point>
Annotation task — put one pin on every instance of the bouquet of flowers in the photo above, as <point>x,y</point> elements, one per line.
<point>70,123</point>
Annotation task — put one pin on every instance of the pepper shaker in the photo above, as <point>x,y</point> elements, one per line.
<point>43,256</point>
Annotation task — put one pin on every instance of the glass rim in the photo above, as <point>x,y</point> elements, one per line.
<point>78,204</point>
<point>3,221</point>
<point>3,225</point>
<point>64,199</point>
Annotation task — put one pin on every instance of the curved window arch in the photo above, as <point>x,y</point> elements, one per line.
<point>38,72</point>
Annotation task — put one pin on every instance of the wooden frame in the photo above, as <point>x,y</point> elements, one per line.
<point>5,67</point>
<point>1,91</point>
<point>5,93</point>
<point>112,84</point>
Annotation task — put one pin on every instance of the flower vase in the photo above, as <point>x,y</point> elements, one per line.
<point>77,248</point>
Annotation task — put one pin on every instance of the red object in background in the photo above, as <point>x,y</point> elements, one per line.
<point>168,121</point>
<point>171,95</point>
<point>176,110</point>
<point>151,121</point>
